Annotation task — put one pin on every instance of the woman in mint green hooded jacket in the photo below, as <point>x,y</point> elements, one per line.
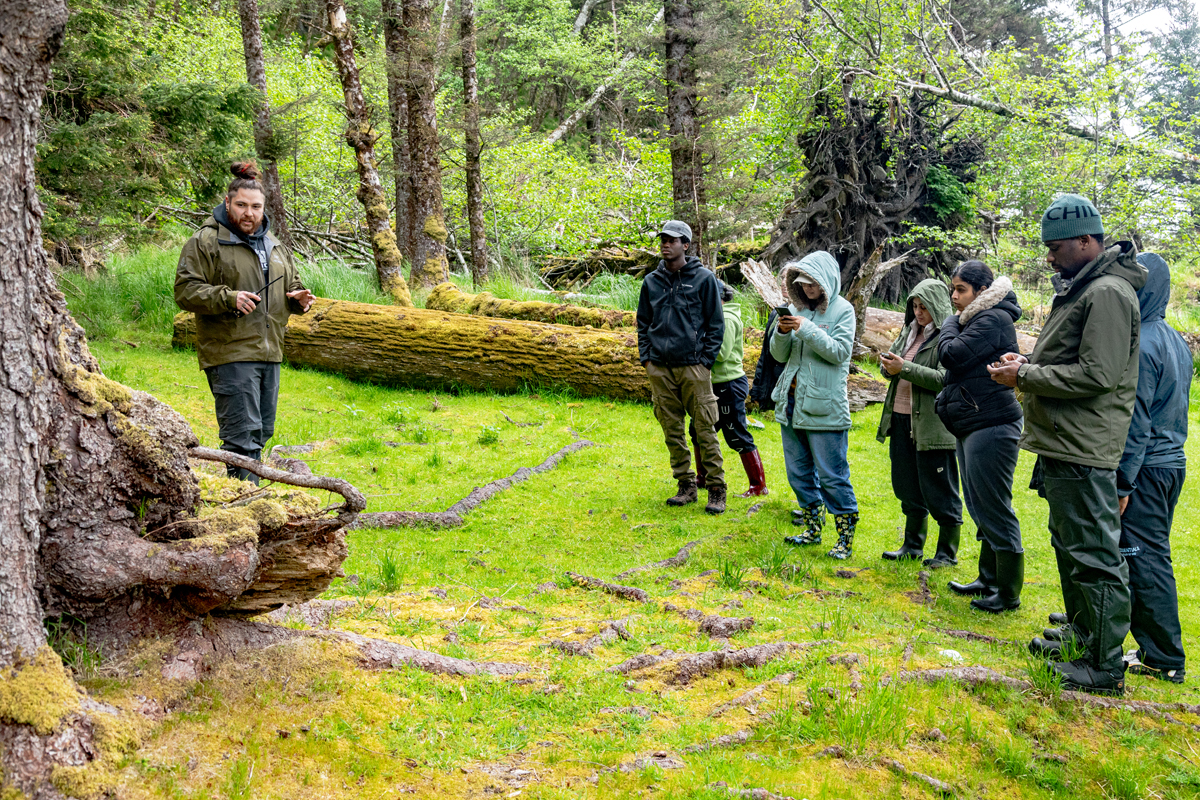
<point>815,344</point>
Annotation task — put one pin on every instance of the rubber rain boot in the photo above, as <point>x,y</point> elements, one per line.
<point>752,463</point>
<point>687,493</point>
<point>1010,577</point>
<point>914,541</point>
<point>946,554</point>
<point>846,524</point>
<point>985,584</point>
<point>812,518</point>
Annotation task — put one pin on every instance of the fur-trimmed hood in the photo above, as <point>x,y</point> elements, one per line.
<point>819,266</point>
<point>999,295</point>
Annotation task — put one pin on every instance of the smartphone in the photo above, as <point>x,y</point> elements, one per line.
<point>783,311</point>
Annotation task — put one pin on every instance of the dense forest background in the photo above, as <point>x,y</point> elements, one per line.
<point>939,129</point>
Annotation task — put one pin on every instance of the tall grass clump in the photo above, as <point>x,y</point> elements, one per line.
<point>136,290</point>
<point>339,282</point>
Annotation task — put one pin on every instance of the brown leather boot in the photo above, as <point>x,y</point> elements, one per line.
<point>716,500</point>
<point>687,493</point>
<point>752,463</point>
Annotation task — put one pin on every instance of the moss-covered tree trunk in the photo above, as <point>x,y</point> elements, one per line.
<point>473,146</point>
<point>395,43</point>
<point>361,136</point>
<point>683,118</point>
<point>429,266</point>
<point>264,136</point>
<point>448,297</point>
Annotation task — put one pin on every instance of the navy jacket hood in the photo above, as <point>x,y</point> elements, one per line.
<point>1153,297</point>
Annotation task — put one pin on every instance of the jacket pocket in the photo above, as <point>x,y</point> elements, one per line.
<point>818,403</point>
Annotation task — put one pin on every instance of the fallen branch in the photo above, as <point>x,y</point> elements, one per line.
<point>715,626</point>
<point>933,783</point>
<point>379,654</point>
<point>624,592</point>
<point>677,560</point>
<point>609,632</point>
<point>971,636</point>
<point>453,516</point>
<point>701,664</point>
<point>746,698</point>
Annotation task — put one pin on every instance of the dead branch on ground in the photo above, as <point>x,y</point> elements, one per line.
<point>677,560</point>
<point>701,664</point>
<point>624,592</point>
<point>610,631</point>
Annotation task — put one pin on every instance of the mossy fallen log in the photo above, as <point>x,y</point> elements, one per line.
<point>424,347</point>
<point>448,297</point>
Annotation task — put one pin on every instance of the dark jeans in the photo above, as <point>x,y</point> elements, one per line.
<point>817,468</point>
<point>988,460</point>
<point>731,415</point>
<point>1146,545</point>
<point>1085,529</point>
<point>925,481</point>
<point>246,394</point>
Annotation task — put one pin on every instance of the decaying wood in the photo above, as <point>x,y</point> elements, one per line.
<point>453,516</point>
<point>379,654</point>
<point>862,289</point>
<point>713,625</point>
<point>610,631</point>
<point>677,560</point>
<point>749,794</point>
<point>448,297</point>
<point>748,697</point>
<point>416,346</point>
<point>765,281</point>
<point>938,786</point>
<point>640,662</point>
<point>701,664</point>
<point>624,592</point>
<point>728,740</point>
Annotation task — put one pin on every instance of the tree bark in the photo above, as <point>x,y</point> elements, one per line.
<point>473,146</point>
<point>395,40</point>
<point>429,265</point>
<point>264,136</point>
<point>361,136</point>
<point>584,16</point>
<point>683,118</point>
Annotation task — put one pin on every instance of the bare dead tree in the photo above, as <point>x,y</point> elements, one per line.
<point>429,266</point>
<point>395,41</point>
<point>361,136</point>
<point>264,137</point>
<point>473,145</point>
<point>683,117</point>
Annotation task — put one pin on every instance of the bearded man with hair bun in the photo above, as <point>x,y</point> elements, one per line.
<point>242,285</point>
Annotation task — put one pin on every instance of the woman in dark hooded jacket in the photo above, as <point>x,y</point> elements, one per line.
<point>985,417</point>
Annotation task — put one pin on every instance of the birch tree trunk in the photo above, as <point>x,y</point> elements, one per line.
<point>264,137</point>
<point>361,136</point>
<point>429,266</point>
<point>473,146</point>
<point>683,118</point>
<point>395,42</point>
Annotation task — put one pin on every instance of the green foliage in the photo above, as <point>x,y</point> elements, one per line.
<point>947,194</point>
<point>488,434</point>
<point>731,573</point>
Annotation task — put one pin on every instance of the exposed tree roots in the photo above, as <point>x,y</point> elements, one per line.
<point>701,664</point>
<point>609,632</point>
<point>453,516</point>
<point>735,739</point>
<point>940,787</point>
<point>852,661</point>
<point>711,624</point>
<point>624,592</point>
<point>640,662</point>
<point>677,560</point>
<point>971,636</point>
<point>922,594</point>
<point>380,654</point>
<point>749,697</point>
<point>750,794</point>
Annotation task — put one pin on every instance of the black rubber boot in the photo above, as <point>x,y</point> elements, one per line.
<point>1059,618</point>
<point>687,493</point>
<point>846,525</point>
<point>1061,634</point>
<point>1010,577</point>
<point>812,519</point>
<point>946,554</point>
<point>914,541</point>
<point>1051,650</point>
<point>716,500</point>
<point>985,584</point>
<point>1082,676</point>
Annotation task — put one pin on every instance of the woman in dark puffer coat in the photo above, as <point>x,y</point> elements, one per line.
<point>985,417</point>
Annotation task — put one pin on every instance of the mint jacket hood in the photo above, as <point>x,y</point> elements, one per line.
<point>1159,426</point>
<point>1081,382</point>
<point>817,356</point>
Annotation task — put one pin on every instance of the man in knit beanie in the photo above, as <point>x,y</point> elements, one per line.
<point>1080,385</point>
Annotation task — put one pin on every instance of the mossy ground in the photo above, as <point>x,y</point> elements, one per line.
<point>304,721</point>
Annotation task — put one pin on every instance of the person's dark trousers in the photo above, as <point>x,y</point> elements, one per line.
<point>731,422</point>
<point>246,394</point>
<point>1146,545</point>
<point>987,460</point>
<point>925,481</point>
<point>1085,529</point>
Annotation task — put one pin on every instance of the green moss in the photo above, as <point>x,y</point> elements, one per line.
<point>39,693</point>
<point>268,513</point>
<point>227,527</point>
<point>12,793</point>
<point>435,228</point>
<point>92,780</point>
<point>117,734</point>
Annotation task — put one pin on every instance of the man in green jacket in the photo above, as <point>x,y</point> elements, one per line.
<point>241,284</point>
<point>1080,385</point>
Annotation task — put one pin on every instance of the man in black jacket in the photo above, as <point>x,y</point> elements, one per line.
<point>680,329</point>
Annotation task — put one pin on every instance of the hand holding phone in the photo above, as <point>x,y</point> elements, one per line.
<point>783,311</point>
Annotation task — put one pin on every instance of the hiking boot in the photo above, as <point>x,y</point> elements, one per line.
<point>716,500</point>
<point>985,584</point>
<point>812,519</point>
<point>946,554</point>
<point>752,463</point>
<point>1049,650</point>
<point>687,493</point>
<point>1134,664</point>
<point>914,542</point>
<point>845,524</point>
<point>1081,676</point>
<point>1010,577</point>
<point>1059,618</point>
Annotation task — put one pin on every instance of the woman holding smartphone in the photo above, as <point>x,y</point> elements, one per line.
<point>924,471</point>
<point>814,338</point>
<point>986,419</point>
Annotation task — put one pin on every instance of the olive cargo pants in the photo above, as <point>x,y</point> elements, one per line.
<point>678,393</point>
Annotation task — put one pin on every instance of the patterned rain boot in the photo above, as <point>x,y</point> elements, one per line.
<point>845,523</point>
<point>812,518</point>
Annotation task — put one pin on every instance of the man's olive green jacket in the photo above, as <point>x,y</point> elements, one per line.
<point>214,266</point>
<point>1081,381</point>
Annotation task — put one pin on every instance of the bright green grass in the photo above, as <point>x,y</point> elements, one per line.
<point>599,512</point>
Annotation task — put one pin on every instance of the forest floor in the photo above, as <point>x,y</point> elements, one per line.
<point>305,720</point>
